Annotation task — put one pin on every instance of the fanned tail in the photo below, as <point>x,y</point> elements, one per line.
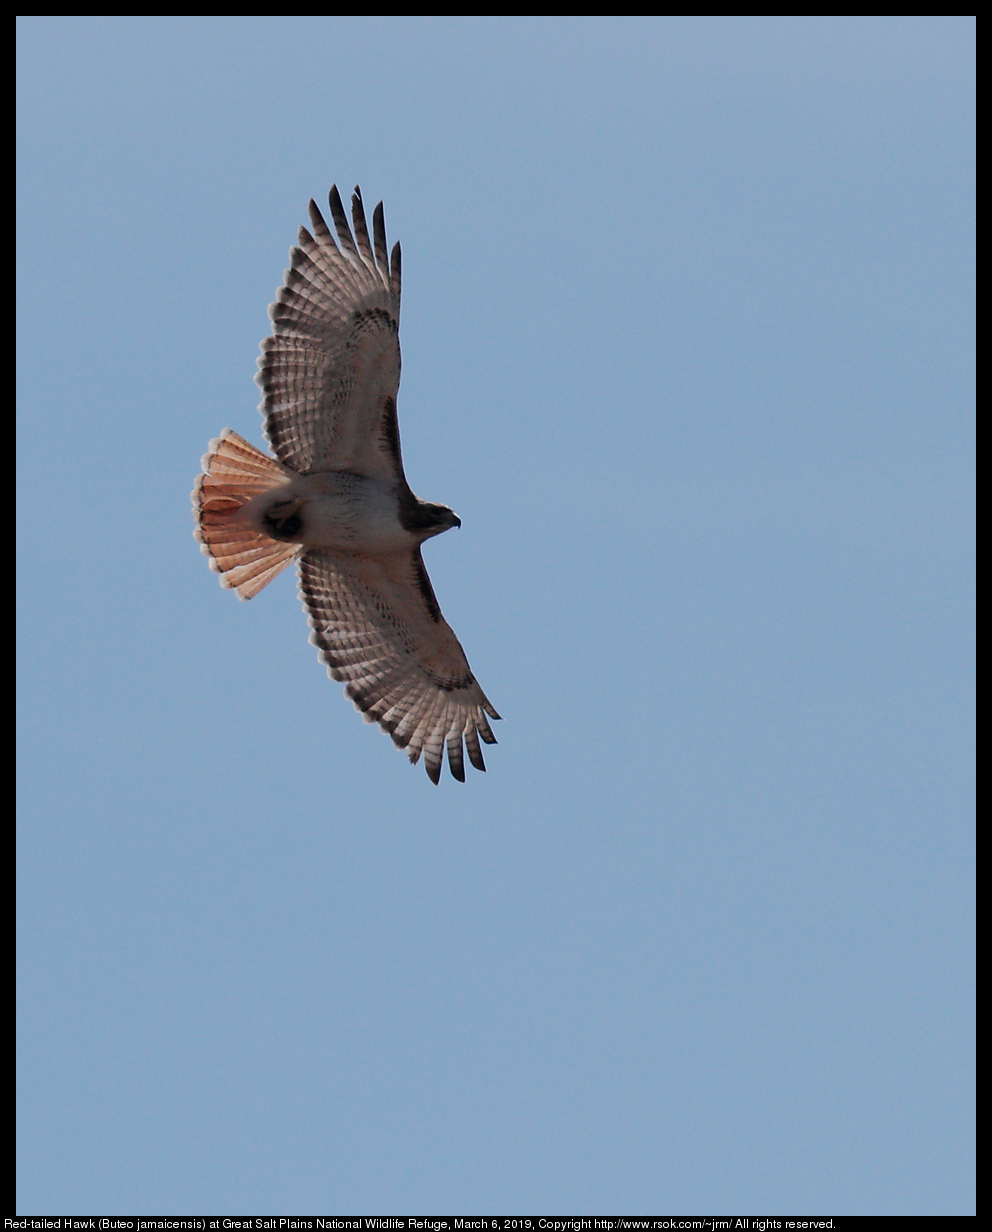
<point>234,471</point>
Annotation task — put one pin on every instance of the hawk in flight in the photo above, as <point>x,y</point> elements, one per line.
<point>335,498</point>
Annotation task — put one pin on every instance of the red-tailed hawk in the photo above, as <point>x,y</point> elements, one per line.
<point>337,501</point>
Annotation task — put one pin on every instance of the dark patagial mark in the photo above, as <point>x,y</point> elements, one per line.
<point>389,433</point>
<point>425,587</point>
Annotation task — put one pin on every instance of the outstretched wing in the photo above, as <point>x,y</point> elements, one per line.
<point>380,630</point>
<point>331,369</point>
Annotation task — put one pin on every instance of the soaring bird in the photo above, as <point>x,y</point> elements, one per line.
<point>335,498</point>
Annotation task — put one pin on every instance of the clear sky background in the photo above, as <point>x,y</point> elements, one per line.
<point>687,338</point>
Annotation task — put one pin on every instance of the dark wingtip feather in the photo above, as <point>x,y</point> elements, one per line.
<point>395,271</point>
<point>485,731</point>
<point>361,225</point>
<point>341,220</point>
<point>474,752</point>
<point>320,228</point>
<point>456,763</point>
<point>379,233</point>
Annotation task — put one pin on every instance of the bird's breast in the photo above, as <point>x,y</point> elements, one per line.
<point>336,509</point>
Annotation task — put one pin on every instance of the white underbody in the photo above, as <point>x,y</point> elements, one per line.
<point>337,509</point>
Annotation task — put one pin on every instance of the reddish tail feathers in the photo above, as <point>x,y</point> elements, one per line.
<point>234,472</point>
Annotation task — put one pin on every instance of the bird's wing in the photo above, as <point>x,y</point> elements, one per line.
<point>331,368</point>
<point>380,630</point>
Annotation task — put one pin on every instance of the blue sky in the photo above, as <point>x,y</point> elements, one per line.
<point>687,342</point>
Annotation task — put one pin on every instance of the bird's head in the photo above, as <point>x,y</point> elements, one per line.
<point>439,518</point>
<point>423,519</point>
